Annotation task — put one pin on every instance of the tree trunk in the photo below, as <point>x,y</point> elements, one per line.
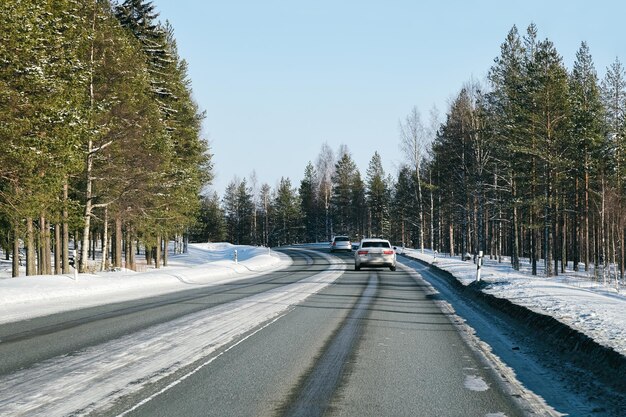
<point>515,250</point>
<point>432,212</point>
<point>30,248</point>
<point>575,228</point>
<point>613,247</point>
<point>157,254</point>
<point>621,247</point>
<point>131,252</point>
<point>58,248</point>
<point>89,163</point>
<point>48,248</point>
<point>66,232</point>
<point>451,234</point>
<point>41,249</point>
<point>165,249</point>
<point>129,249</point>
<point>547,250</point>
<point>533,247</point>
<point>15,272</point>
<point>480,220</point>
<point>118,241</point>
<point>148,250</point>
<point>420,208</point>
<point>439,220</point>
<point>586,215</point>
<point>564,242</point>
<point>602,240</point>
<point>104,266</point>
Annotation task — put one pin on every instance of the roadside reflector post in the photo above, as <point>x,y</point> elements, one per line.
<point>479,262</point>
<point>235,256</point>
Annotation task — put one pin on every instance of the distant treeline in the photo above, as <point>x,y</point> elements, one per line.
<point>531,165</point>
<point>99,136</point>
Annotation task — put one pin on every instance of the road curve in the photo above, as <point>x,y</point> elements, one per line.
<point>371,344</point>
<point>316,339</point>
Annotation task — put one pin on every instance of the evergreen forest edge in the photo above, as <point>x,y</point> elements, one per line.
<point>102,142</point>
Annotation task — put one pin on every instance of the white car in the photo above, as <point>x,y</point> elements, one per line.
<point>341,243</point>
<point>375,252</point>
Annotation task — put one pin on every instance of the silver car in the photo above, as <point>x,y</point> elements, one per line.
<point>375,252</point>
<point>341,243</point>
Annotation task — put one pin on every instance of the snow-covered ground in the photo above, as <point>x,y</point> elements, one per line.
<point>204,264</point>
<point>585,304</point>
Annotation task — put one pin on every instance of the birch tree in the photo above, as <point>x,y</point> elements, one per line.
<point>325,166</point>
<point>414,143</point>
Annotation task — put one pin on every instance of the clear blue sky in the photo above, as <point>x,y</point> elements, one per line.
<point>277,79</point>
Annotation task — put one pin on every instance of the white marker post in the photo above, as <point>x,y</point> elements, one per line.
<point>236,256</point>
<point>479,262</point>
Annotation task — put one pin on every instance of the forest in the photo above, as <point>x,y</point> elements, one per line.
<point>101,140</point>
<point>102,150</point>
<point>529,164</point>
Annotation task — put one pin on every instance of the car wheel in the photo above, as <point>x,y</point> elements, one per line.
<point>393,268</point>
<point>357,268</point>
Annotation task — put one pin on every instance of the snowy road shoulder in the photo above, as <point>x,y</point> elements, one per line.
<point>204,265</point>
<point>598,312</point>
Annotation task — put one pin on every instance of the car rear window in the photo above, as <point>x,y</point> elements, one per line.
<point>341,239</point>
<point>376,245</point>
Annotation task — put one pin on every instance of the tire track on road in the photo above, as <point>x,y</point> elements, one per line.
<point>314,395</point>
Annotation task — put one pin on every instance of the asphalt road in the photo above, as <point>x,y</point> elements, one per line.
<point>31,341</point>
<point>373,343</point>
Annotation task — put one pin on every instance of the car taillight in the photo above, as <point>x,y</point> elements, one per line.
<point>362,252</point>
<point>388,252</point>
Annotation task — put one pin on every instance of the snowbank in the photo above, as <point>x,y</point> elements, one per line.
<point>597,311</point>
<point>204,264</point>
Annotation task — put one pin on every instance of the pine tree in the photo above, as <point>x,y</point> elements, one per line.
<point>210,226</point>
<point>614,99</point>
<point>587,114</point>
<point>378,198</point>
<point>245,211</point>
<point>286,215</point>
<point>230,203</point>
<point>506,111</point>
<point>343,184</point>
<point>550,124</point>
<point>122,123</point>
<point>184,156</point>
<point>359,206</point>
<point>189,166</point>
<point>41,117</point>
<point>141,19</point>
<point>265,197</point>
<point>404,205</point>
<point>311,212</point>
